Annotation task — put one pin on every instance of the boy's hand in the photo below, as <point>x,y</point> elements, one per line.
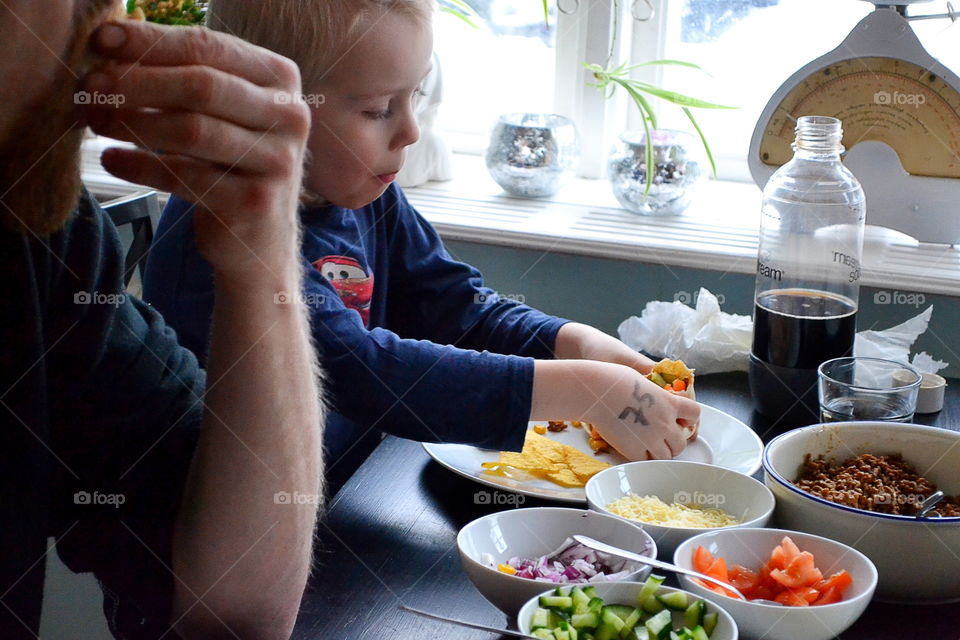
<point>637,417</point>
<point>217,123</point>
<point>583,342</point>
<point>643,421</point>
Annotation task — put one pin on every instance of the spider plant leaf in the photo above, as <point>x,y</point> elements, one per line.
<point>666,61</point>
<point>703,139</point>
<point>646,110</point>
<point>677,98</point>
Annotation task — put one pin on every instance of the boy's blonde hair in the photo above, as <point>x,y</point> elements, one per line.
<point>313,33</point>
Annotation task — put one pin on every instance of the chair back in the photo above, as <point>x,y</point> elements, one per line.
<point>141,211</point>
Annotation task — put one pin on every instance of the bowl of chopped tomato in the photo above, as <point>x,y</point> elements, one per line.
<point>798,586</point>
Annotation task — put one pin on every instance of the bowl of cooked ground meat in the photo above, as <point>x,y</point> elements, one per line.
<point>860,483</point>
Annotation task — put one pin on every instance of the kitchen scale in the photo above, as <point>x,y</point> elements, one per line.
<point>900,110</point>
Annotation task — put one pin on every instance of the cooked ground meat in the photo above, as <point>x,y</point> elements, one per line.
<point>884,484</point>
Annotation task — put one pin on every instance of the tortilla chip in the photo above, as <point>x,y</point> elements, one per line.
<point>550,460</point>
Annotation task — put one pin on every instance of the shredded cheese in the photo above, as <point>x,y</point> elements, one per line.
<point>653,510</point>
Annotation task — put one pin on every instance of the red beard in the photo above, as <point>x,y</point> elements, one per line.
<point>40,160</point>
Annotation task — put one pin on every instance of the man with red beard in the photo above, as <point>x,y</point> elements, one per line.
<point>109,441</point>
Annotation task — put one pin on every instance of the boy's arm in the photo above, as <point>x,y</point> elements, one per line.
<point>577,341</point>
<point>240,558</point>
<point>436,297</point>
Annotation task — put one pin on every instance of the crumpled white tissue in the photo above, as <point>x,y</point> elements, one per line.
<point>706,339</point>
<point>712,341</point>
<point>894,344</point>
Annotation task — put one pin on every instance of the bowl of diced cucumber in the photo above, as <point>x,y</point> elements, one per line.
<point>624,611</point>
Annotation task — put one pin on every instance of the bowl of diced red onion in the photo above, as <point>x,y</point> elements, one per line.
<point>514,555</point>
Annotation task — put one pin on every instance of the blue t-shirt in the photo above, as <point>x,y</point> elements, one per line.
<point>99,414</point>
<point>412,341</point>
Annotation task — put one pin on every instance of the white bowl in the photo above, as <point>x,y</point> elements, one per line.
<point>687,482</point>
<point>626,593</point>
<point>918,561</point>
<point>751,548</point>
<point>531,533</point>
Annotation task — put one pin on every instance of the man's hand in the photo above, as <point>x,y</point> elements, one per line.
<point>583,342</point>
<point>217,122</point>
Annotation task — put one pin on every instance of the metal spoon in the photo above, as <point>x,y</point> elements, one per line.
<point>462,623</point>
<point>629,555</point>
<point>929,503</point>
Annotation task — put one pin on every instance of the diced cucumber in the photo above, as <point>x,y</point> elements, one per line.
<point>649,588</point>
<point>560,592</point>
<point>581,601</point>
<point>630,622</point>
<point>541,619</point>
<point>560,634</point>
<point>699,633</point>
<point>591,591</point>
<point>589,620</point>
<point>609,618</point>
<point>675,600</point>
<point>620,610</point>
<point>544,634</point>
<point>678,636</point>
<point>652,605</point>
<point>557,602</point>
<point>639,633</point>
<point>693,616</point>
<point>595,604</point>
<point>556,618</point>
<point>660,625</point>
<point>605,632</point>
<point>710,621</point>
<point>658,379</point>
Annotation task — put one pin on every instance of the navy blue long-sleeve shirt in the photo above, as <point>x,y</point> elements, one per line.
<point>412,341</point>
<point>100,411</point>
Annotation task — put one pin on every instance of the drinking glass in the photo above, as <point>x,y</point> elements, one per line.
<point>867,389</point>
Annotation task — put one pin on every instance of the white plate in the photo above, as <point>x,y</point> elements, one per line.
<point>723,441</point>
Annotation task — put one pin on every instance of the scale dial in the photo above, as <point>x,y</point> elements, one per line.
<point>883,99</point>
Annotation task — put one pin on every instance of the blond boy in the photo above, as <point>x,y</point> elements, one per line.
<point>414,342</point>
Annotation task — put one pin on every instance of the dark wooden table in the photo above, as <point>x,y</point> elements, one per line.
<point>389,537</point>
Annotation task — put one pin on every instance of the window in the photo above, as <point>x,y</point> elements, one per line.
<point>747,47</point>
<point>504,64</point>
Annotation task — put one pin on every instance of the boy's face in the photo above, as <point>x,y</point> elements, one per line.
<point>366,120</point>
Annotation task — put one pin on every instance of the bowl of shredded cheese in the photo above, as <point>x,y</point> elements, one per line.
<point>674,500</point>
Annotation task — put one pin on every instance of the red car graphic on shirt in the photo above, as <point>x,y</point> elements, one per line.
<point>352,283</point>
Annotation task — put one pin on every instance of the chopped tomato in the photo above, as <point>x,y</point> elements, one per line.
<point>778,558</point>
<point>718,570</point>
<point>790,576</point>
<point>840,581</point>
<point>829,596</point>
<point>702,559</point>
<point>789,548</point>
<point>743,579</point>
<point>801,571</point>
<point>795,597</point>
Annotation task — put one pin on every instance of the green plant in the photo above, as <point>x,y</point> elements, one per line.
<point>178,12</point>
<point>463,10</point>
<point>608,79</point>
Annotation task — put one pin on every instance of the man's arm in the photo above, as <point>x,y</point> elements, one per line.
<point>241,552</point>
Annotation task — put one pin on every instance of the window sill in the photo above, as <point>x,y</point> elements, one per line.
<point>718,232</point>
